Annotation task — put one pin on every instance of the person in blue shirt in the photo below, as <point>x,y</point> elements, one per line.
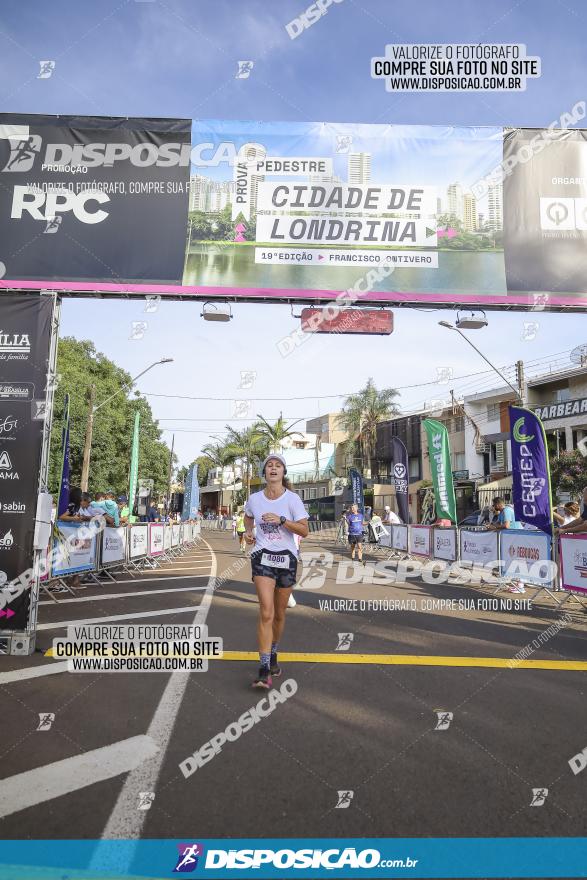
<point>355,523</point>
<point>506,518</point>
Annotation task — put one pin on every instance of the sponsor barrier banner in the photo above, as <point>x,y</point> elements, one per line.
<point>174,534</point>
<point>182,533</point>
<point>399,537</point>
<point>114,543</point>
<point>573,560</point>
<point>420,540</point>
<point>529,547</point>
<point>167,538</point>
<point>25,337</point>
<point>81,555</point>
<point>139,540</point>
<point>479,547</point>
<point>156,539</point>
<point>444,544</point>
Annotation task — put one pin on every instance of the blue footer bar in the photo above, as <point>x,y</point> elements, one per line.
<point>294,857</point>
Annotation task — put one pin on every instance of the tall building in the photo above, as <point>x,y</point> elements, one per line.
<point>199,192</point>
<point>220,194</point>
<point>469,212</point>
<point>495,205</point>
<point>359,168</point>
<point>254,153</point>
<point>455,201</point>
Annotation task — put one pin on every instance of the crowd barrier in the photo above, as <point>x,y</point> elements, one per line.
<point>127,548</point>
<point>481,547</point>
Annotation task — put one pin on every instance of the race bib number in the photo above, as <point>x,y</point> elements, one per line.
<point>275,560</point>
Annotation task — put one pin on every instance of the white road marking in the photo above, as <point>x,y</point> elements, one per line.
<point>33,672</point>
<point>34,787</point>
<point>125,820</point>
<point>63,624</point>
<point>127,595</point>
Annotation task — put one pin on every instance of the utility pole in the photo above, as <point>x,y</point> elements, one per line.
<point>169,477</point>
<point>88,441</point>
<point>521,381</point>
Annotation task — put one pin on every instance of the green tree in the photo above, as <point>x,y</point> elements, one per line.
<point>361,414</point>
<point>247,446</point>
<point>80,366</point>
<point>568,473</point>
<point>275,434</point>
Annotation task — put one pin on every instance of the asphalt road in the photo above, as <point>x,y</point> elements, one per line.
<point>367,727</point>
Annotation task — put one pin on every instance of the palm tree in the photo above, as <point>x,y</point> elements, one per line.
<point>275,434</point>
<point>247,445</point>
<point>360,415</point>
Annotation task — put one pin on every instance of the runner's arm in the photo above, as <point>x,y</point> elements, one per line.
<point>298,528</point>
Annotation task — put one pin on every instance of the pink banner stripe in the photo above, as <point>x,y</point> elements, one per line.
<point>277,293</point>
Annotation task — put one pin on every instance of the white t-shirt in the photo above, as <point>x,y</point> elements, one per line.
<point>273,536</point>
<point>391,517</point>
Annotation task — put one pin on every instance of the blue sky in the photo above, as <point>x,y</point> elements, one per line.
<point>179,58</point>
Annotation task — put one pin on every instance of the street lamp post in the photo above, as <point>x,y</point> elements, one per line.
<point>516,391</point>
<point>92,412</point>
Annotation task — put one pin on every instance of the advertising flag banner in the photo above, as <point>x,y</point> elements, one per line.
<point>64,482</point>
<point>357,489</point>
<point>191,498</point>
<point>440,465</point>
<point>24,359</point>
<point>308,212</point>
<point>401,477</point>
<point>134,467</point>
<point>530,470</point>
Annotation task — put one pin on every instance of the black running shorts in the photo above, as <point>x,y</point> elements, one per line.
<point>283,576</point>
<point>355,539</point>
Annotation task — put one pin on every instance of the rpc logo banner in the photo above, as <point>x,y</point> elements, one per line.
<point>113,191</point>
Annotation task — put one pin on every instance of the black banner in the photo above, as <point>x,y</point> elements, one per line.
<point>400,476</point>
<point>357,489</point>
<point>545,211</point>
<point>94,198</point>
<point>25,339</point>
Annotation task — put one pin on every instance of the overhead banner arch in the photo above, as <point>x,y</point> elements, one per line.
<point>295,211</point>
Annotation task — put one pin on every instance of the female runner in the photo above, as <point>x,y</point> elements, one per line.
<point>278,514</point>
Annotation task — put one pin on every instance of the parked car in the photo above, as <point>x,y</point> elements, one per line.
<point>471,520</point>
